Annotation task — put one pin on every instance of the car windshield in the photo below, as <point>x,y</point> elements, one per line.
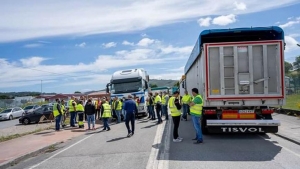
<point>28,107</point>
<point>6,111</point>
<point>127,87</point>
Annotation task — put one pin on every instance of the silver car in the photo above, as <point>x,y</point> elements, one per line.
<point>9,114</point>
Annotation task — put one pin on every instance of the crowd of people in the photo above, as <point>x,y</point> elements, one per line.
<point>158,106</point>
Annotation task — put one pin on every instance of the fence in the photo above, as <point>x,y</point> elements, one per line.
<point>292,84</point>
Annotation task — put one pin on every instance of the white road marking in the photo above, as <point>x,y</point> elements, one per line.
<point>161,162</point>
<point>61,151</point>
<point>296,154</point>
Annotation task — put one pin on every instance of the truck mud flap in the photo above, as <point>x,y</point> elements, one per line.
<point>242,129</point>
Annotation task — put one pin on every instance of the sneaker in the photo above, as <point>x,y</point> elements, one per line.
<point>177,140</point>
<point>180,138</point>
<point>198,142</point>
<point>129,135</point>
<point>108,129</point>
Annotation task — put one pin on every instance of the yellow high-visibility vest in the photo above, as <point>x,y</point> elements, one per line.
<point>107,110</point>
<point>197,108</point>
<point>173,108</point>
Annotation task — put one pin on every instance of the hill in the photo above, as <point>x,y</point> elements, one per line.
<point>160,83</point>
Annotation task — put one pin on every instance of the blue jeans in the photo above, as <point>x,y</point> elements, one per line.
<point>152,112</point>
<point>57,122</point>
<point>164,111</point>
<point>105,123</point>
<point>124,114</point>
<point>130,117</point>
<point>118,114</point>
<point>72,120</point>
<point>185,108</point>
<point>197,126</point>
<point>91,119</point>
<point>149,112</point>
<point>158,109</point>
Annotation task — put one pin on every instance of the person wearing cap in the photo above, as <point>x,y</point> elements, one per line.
<point>157,103</point>
<point>130,108</point>
<point>89,110</point>
<point>175,108</point>
<point>164,102</point>
<point>196,113</point>
<point>105,114</point>
<point>57,114</point>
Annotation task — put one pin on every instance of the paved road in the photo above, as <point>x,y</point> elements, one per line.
<point>8,123</point>
<point>151,147</point>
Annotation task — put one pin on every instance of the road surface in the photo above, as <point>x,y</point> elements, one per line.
<point>151,147</point>
<point>8,123</point>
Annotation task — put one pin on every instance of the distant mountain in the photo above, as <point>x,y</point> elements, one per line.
<point>161,83</point>
<point>6,95</point>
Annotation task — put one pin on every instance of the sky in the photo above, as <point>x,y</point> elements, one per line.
<point>67,46</point>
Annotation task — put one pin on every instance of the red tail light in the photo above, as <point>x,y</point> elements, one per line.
<point>267,111</point>
<point>210,111</point>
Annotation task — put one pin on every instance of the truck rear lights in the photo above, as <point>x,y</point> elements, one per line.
<point>210,111</point>
<point>230,111</point>
<point>267,111</point>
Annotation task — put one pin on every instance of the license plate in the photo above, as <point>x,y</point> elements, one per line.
<point>246,111</point>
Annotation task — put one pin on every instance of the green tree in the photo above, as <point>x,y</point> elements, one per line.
<point>77,92</point>
<point>287,66</point>
<point>153,85</point>
<point>176,84</point>
<point>296,64</point>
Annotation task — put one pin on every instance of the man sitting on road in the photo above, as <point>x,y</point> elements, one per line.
<point>130,108</point>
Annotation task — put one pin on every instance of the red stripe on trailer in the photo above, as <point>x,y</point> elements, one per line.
<point>241,97</point>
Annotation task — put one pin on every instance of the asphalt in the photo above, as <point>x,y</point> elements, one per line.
<point>8,123</point>
<point>112,149</point>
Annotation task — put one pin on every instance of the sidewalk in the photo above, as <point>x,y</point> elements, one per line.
<point>20,148</point>
<point>289,128</point>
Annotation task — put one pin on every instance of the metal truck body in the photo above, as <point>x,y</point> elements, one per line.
<point>240,74</point>
<point>130,82</point>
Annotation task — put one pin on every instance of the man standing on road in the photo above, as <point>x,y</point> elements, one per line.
<point>63,117</point>
<point>97,107</point>
<point>72,111</point>
<point>57,114</point>
<point>80,112</point>
<point>130,108</point>
<point>118,108</point>
<point>175,113</point>
<point>165,100</point>
<point>106,114</point>
<point>151,105</point>
<point>157,103</point>
<point>90,111</point>
<point>186,99</point>
<point>196,112</point>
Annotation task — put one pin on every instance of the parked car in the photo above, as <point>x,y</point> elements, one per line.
<point>35,116</point>
<point>9,114</point>
<point>30,109</point>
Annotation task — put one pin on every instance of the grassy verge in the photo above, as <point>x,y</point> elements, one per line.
<point>6,138</point>
<point>292,102</point>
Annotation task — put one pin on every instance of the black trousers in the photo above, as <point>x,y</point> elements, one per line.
<point>158,109</point>
<point>176,121</point>
<point>130,117</point>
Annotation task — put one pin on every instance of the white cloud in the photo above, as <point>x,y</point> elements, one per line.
<point>32,45</point>
<point>294,35</point>
<point>290,23</point>
<point>240,6</point>
<point>291,43</point>
<point>289,18</point>
<point>128,43</point>
<point>145,42</point>
<point>109,45</point>
<point>144,35</point>
<point>82,45</point>
<point>224,20</point>
<point>32,62</point>
<point>101,17</point>
<point>277,23</point>
<point>204,21</point>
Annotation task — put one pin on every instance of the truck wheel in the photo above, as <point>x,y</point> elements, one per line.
<point>204,126</point>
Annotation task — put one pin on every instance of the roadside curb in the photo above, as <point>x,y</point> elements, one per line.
<point>293,140</point>
<point>26,156</point>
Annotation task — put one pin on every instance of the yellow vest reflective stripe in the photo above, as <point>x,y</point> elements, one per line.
<point>186,99</point>
<point>173,108</point>
<point>163,99</point>
<point>197,108</point>
<point>96,104</point>
<point>55,110</point>
<point>107,111</point>
<point>63,109</point>
<point>71,108</point>
<point>79,108</point>
<point>157,99</point>
<point>119,107</point>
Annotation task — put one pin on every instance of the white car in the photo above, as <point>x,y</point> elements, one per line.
<point>9,114</point>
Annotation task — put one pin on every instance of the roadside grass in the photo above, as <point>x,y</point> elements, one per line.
<point>292,102</point>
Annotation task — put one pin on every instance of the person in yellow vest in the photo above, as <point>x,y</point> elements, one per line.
<point>151,105</point>
<point>148,107</point>
<point>57,114</point>
<point>164,102</point>
<point>175,108</point>
<point>106,114</point>
<point>80,112</point>
<point>186,99</point>
<point>118,108</point>
<point>196,112</point>
<point>97,107</point>
<point>157,103</point>
<point>72,111</point>
<point>63,117</point>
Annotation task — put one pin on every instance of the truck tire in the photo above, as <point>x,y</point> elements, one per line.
<point>204,126</point>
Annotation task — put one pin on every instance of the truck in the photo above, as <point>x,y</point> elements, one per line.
<point>240,75</point>
<point>130,82</point>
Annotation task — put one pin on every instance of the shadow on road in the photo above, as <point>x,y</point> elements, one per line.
<point>116,139</point>
<point>45,132</point>
<point>147,127</point>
